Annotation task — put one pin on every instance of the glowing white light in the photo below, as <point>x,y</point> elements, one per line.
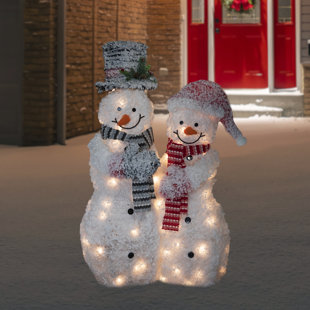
<point>202,249</point>
<point>177,244</point>
<point>222,270</point>
<point>211,220</point>
<point>116,145</point>
<point>112,182</point>
<point>102,216</point>
<point>85,241</point>
<point>187,282</point>
<point>159,203</point>
<point>139,267</point>
<point>162,278</point>
<point>100,250</point>
<point>135,232</point>
<point>166,252</point>
<point>120,280</point>
<point>156,179</point>
<point>199,274</point>
<point>176,270</point>
<point>106,203</point>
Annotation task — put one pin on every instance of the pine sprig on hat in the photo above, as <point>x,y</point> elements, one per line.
<point>142,73</point>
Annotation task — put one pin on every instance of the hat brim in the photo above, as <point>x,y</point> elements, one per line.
<point>124,84</point>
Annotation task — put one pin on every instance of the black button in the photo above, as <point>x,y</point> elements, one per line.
<point>190,254</point>
<point>131,255</point>
<point>188,220</point>
<point>130,211</point>
<point>189,157</point>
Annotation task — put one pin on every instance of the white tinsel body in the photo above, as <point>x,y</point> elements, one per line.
<point>108,232</point>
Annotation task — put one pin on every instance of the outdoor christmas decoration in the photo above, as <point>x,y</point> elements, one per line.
<point>194,244</point>
<point>119,235</point>
<point>239,5</point>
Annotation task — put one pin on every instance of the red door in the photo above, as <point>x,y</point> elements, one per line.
<point>284,44</point>
<point>241,59</point>
<point>197,40</point>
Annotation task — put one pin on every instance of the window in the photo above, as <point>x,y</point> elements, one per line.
<point>198,11</point>
<point>284,11</point>
<point>233,17</point>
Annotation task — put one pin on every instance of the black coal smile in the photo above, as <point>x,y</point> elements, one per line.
<point>200,136</point>
<point>140,117</point>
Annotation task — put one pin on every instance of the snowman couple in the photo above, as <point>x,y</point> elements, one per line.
<point>129,235</point>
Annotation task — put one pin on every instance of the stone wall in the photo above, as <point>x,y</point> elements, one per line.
<point>39,87</point>
<point>164,41</point>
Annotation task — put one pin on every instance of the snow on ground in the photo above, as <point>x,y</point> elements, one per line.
<point>263,188</point>
<point>254,107</point>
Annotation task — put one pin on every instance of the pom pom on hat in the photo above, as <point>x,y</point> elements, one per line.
<point>209,98</point>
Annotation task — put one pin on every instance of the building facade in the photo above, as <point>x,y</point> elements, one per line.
<point>52,57</point>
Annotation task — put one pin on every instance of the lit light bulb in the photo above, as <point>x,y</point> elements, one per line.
<point>102,216</point>
<point>100,250</point>
<point>156,179</point>
<point>222,270</point>
<point>176,270</point>
<point>116,145</point>
<point>188,283</point>
<point>159,203</point>
<point>211,220</point>
<point>162,278</point>
<point>120,280</point>
<point>106,203</point>
<point>199,274</point>
<point>85,241</point>
<point>112,182</point>
<point>202,249</point>
<point>139,267</point>
<point>135,232</point>
<point>166,252</point>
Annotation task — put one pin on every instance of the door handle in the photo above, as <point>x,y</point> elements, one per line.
<point>217,30</point>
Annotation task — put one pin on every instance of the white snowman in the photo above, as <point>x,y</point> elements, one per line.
<point>195,240</point>
<point>119,235</point>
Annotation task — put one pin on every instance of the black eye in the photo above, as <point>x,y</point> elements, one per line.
<point>196,124</point>
<point>181,123</point>
<point>134,110</point>
<point>119,109</point>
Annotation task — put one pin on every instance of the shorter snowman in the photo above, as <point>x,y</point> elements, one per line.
<point>194,244</point>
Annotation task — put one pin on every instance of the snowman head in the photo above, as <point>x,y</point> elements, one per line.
<point>191,127</point>
<point>128,110</point>
<point>195,112</point>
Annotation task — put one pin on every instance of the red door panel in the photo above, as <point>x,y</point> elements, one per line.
<point>197,42</point>
<point>284,44</point>
<point>241,59</point>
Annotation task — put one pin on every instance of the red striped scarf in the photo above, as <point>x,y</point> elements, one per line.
<point>174,207</point>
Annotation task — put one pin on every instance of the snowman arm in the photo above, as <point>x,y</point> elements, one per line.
<point>202,170</point>
<point>101,158</point>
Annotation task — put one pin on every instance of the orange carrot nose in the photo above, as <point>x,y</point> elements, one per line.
<point>124,120</point>
<point>190,131</point>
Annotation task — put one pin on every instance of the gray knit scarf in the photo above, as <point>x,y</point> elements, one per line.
<point>142,191</point>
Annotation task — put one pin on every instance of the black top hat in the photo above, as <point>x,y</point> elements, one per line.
<point>125,67</point>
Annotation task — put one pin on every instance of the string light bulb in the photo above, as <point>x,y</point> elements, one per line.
<point>139,267</point>
<point>120,280</point>
<point>102,216</point>
<point>112,182</point>
<point>100,250</point>
<point>135,232</point>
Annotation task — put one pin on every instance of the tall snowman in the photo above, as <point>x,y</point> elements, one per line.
<point>119,235</point>
<point>195,238</point>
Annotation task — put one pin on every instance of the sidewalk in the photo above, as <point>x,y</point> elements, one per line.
<point>264,188</point>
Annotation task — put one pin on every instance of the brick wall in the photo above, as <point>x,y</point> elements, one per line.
<point>90,24</point>
<point>306,89</point>
<point>164,43</point>
<point>39,102</point>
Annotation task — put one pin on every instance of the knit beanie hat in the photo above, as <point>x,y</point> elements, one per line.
<point>209,98</point>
